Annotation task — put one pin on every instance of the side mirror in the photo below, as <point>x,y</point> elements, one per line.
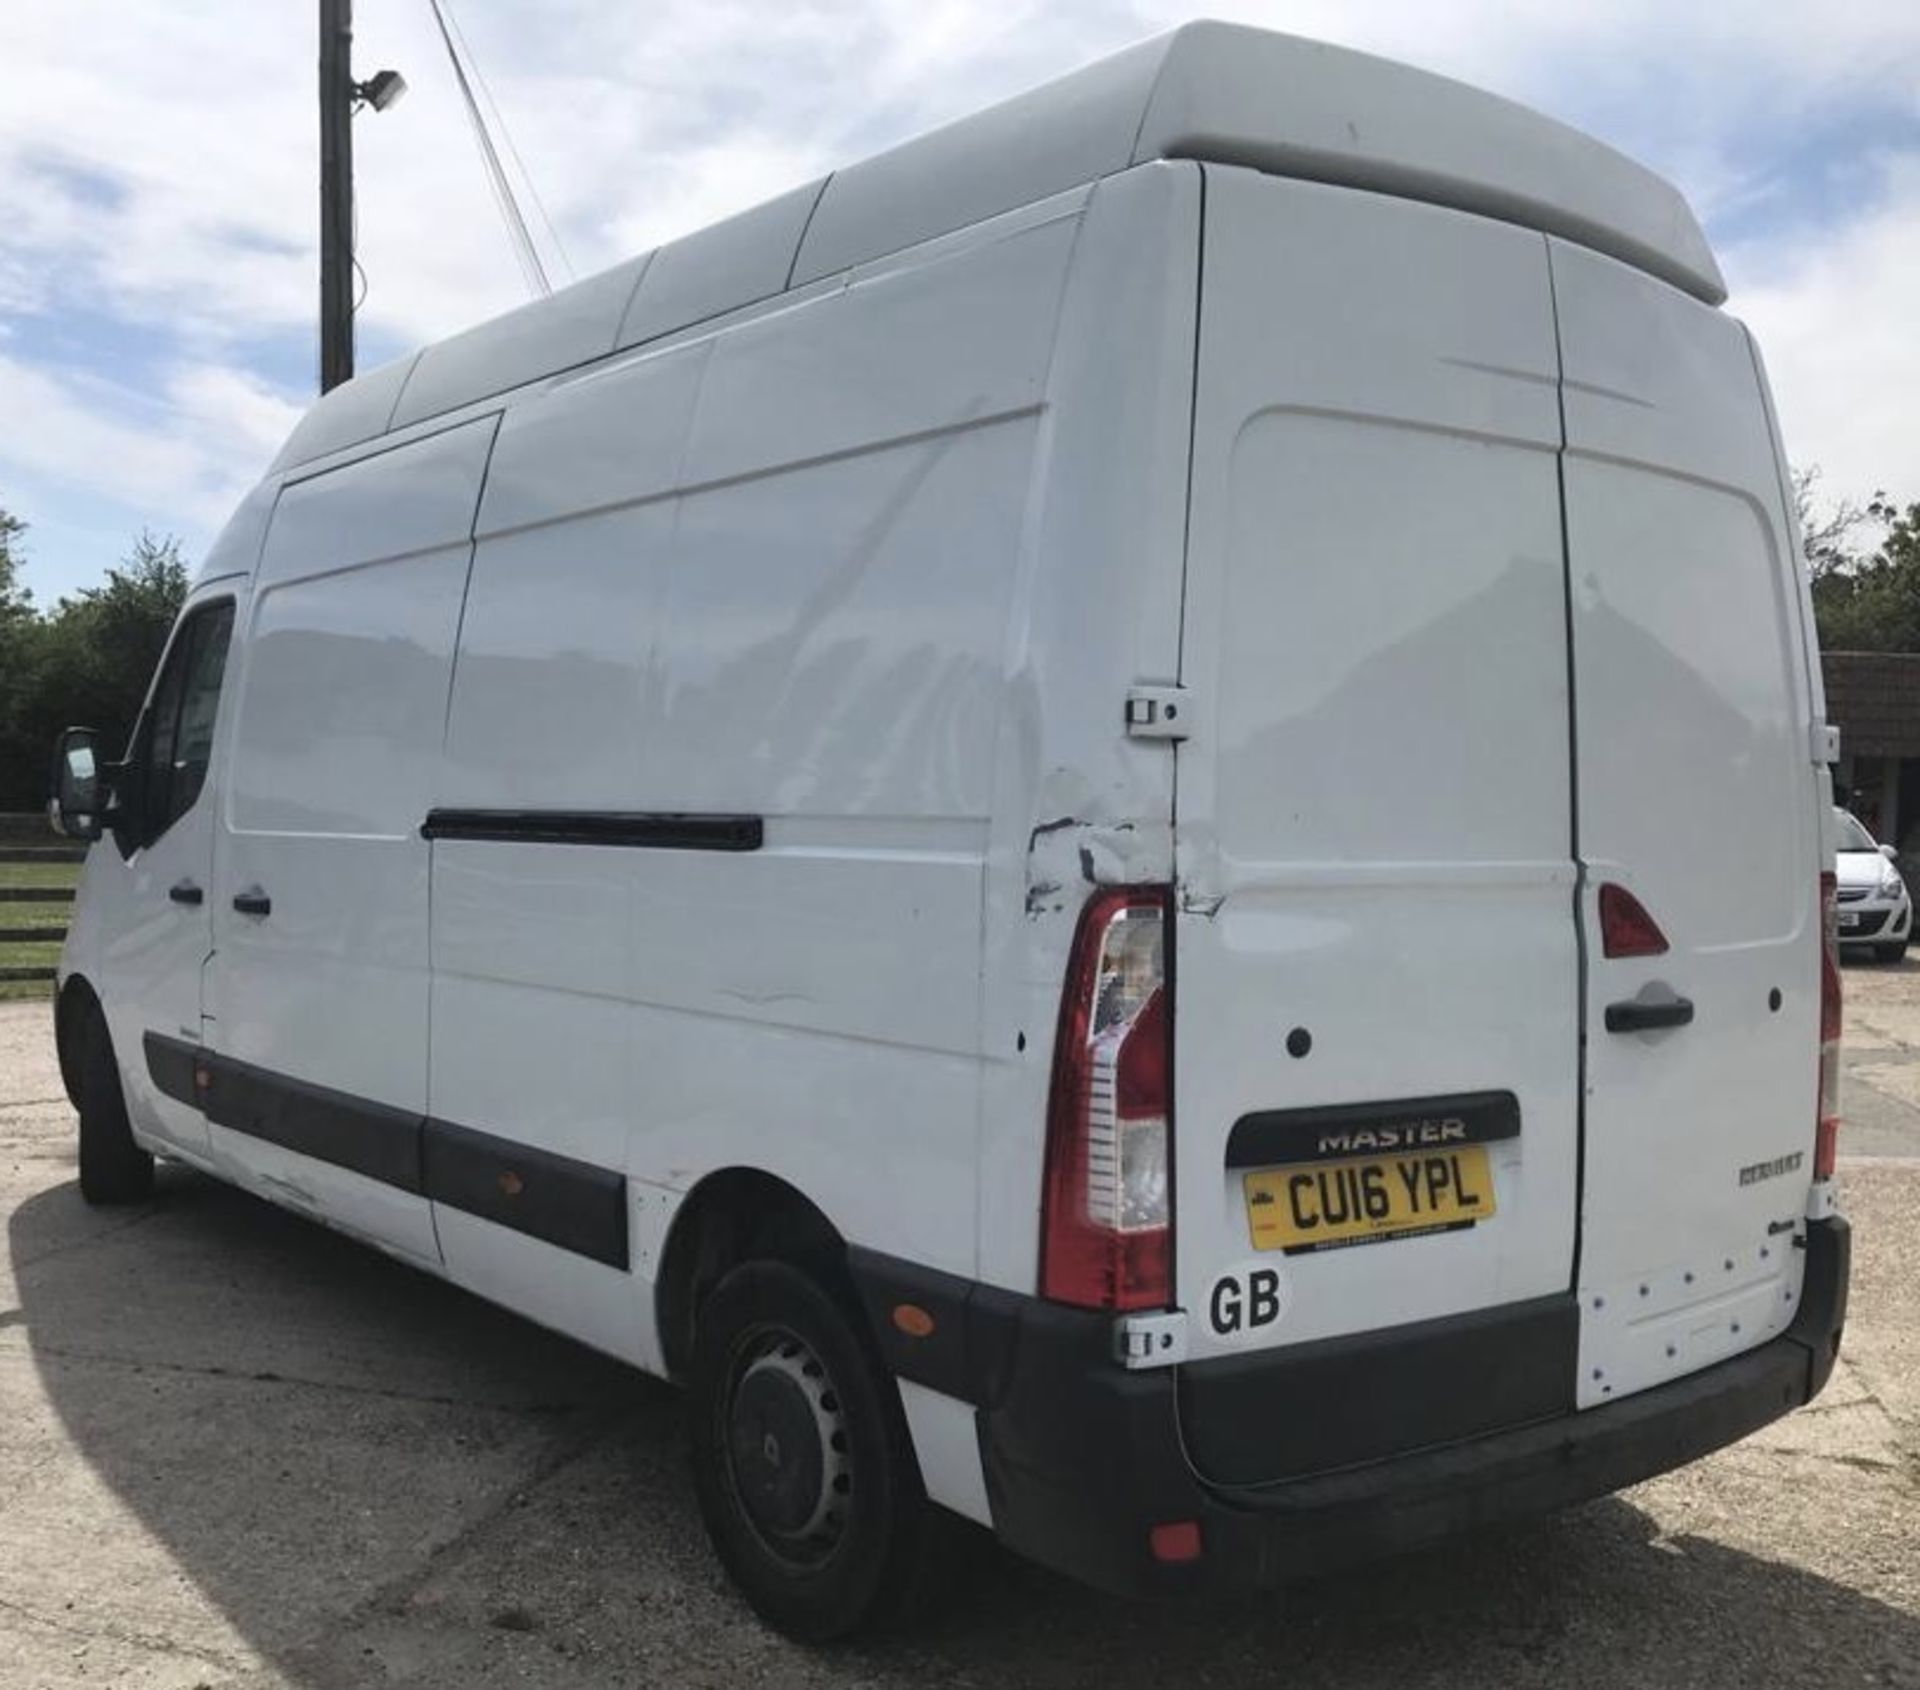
<point>1888,852</point>
<point>74,809</point>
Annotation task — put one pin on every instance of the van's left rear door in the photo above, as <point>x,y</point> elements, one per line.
<point>1376,948</point>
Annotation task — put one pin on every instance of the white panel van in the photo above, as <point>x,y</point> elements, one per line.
<point>1116,822</point>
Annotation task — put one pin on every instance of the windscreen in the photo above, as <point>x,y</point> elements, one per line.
<point>1853,836</point>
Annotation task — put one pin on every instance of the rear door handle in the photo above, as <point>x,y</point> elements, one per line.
<point>253,901</point>
<point>185,892</point>
<point>1635,1015</point>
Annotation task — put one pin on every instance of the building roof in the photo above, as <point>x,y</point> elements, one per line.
<point>1209,91</point>
<point>1873,698</point>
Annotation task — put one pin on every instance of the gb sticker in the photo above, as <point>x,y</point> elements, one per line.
<point>1249,1300</point>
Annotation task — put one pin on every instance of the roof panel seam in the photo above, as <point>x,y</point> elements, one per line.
<point>633,293</point>
<point>800,245</point>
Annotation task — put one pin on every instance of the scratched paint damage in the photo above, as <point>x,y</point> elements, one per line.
<point>1067,855</point>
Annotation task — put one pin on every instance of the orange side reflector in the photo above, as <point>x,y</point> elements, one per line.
<point>913,1320</point>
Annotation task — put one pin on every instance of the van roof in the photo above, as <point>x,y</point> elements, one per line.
<point>1209,91</point>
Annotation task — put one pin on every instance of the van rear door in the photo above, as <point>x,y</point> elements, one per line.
<point>1698,795</point>
<point>1376,959</point>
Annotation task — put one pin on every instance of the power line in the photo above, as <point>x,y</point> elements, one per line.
<point>506,134</point>
<point>518,234</point>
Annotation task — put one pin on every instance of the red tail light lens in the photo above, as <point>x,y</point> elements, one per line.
<point>1626,929</point>
<point>1827,1117</point>
<point>1106,1222</point>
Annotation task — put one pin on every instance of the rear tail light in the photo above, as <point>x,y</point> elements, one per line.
<point>1626,929</point>
<point>1827,1117</point>
<point>1106,1222</point>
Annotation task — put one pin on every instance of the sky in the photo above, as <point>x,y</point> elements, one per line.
<point>158,197</point>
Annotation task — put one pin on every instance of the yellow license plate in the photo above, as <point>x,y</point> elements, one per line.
<point>1325,1205</point>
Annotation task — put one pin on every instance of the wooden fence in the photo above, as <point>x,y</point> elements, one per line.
<point>31,912</point>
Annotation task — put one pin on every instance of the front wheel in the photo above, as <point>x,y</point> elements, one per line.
<point>113,1168</point>
<point>801,1458</point>
<point>1893,951</point>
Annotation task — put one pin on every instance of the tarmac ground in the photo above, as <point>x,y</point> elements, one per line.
<point>237,1450</point>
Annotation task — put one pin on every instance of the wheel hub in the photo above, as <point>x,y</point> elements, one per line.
<point>787,1440</point>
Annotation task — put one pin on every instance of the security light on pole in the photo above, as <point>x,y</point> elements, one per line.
<point>340,98</point>
<point>382,89</point>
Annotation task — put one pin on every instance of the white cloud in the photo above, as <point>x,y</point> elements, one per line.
<point>157,162</point>
<point>186,453</point>
<point>1835,321</point>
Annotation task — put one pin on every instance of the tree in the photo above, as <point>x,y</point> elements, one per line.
<point>1863,599</point>
<point>1873,603</point>
<point>1829,532</point>
<point>17,628</point>
<point>86,663</point>
<point>100,647</point>
<point>15,600</point>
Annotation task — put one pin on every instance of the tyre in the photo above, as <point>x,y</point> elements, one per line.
<point>1892,951</point>
<point>113,1169</point>
<point>801,1458</point>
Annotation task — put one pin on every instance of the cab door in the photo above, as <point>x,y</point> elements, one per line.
<point>154,873</point>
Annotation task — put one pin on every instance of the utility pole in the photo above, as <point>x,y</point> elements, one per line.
<point>336,192</point>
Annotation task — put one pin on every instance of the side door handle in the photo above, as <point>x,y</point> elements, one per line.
<point>253,901</point>
<point>1636,1015</point>
<point>185,892</point>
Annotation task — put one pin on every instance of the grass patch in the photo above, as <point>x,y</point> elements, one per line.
<point>53,917</point>
<point>49,875</point>
<point>30,954</point>
<point>25,991</point>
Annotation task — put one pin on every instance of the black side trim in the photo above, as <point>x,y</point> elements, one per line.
<point>373,1139</point>
<point>1337,1131</point>
<point>170,1065</point>
<point>576,1205</point>
<point>1321,1406</point>
<point>645,829</point>
<point>969,1352</point>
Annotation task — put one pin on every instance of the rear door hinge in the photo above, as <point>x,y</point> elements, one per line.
<point>1826,743</point>
<point>1150,1340</point>
<point>1157,712</point>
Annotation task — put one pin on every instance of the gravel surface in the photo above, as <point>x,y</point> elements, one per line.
<point>238,1451</point>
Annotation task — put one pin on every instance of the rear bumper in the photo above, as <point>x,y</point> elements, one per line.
<point>1082,1459</point>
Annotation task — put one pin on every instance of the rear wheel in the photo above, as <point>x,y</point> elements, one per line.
<point>113,1169</point>
<point>801,1458</point>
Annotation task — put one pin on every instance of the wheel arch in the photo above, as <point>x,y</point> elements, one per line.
<point>76,998</point>
<point>731,1216</point>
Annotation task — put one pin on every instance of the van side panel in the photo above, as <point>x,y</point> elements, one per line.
<point>1096,608</point>
<point>341,705</point>
<point>770,581</point>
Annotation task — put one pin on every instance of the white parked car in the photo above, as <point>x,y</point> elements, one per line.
<point>1037,816</point>
<point>1873,911</point>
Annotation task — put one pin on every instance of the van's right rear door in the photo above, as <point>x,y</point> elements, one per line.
<point>1697,793</point>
